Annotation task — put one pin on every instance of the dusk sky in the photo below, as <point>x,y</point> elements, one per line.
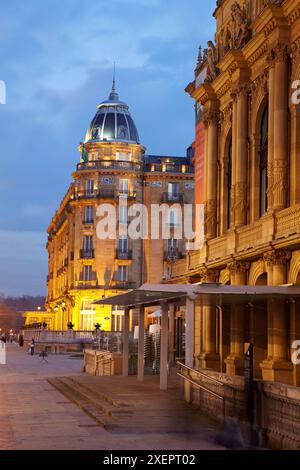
<point>57,61</point>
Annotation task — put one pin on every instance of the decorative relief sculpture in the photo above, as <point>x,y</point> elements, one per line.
<point>277,257</point>
<point>240,28</point>
<point>238,267</point>
<point>210,219</point>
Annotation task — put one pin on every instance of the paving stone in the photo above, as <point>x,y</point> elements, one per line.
<point>33,415</point>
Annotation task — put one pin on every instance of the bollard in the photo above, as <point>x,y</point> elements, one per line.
<point>2,353</point>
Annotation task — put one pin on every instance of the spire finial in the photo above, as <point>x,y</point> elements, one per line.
<point>113,94</point>
<point>114,79</point>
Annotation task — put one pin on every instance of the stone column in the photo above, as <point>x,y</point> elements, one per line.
<point>164,347</point>
<point>171,333</point>
<point>189,332</point>
<point>211,170</point>
<point>277,367</point>
<point>141,343</point>
<point>234,157</point>
<point>280,161</point>
<point>241,165</point>
<point>271,130</point>
<point>235,361</point>
<point>189,344</point>
<point>295,152</point>
<point>209,359</point>
<point>125,364</point>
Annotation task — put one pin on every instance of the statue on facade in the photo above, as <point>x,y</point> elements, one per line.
<point>211,59</point>
<point>241,30</point>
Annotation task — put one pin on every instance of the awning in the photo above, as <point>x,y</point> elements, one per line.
<point>139,297</point>
<point>205,294</point>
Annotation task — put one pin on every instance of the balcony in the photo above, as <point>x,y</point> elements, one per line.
<point>173,255</point>
<point>124,254</point>
<point>175,198</point>
<point>88,221</point>
<point>161,168</point>
<point>87,254</point>
<point>109,165</point>
<point>84,284</point>
<point>129,195</point>
<point>85,194</point>
<point>107,194</point>
<point>121,284</point>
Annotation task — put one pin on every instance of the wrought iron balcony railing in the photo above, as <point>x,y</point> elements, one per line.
<point>173,255</point>
<point>124,254</point>
<point>168,197</point>
<point>87,254</point>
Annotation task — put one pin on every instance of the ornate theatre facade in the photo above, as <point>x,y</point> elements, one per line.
<point>248,118</point>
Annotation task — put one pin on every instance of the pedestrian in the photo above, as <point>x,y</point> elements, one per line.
<point>21,341</point>
<point>31,347</point>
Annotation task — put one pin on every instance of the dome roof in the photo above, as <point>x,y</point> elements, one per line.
<point>113,122</point>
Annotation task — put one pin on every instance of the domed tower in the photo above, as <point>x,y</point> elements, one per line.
<point>110,172</point>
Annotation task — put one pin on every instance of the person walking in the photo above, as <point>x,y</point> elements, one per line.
<point>21,341</point>
<point>32,347</point>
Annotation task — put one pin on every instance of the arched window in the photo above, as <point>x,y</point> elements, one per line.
<point>263,153</point>
<point>229,184</point>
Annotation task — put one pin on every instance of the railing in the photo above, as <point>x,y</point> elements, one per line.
<point>87,254</point>
<point>108,165</point>
<point>107,194</point>
<point>88,221</point>
<point>173,255</point>
<point>86,194</point>
<point>159,168</point>
<point>130,195</point>
<point>61,337</point>
<point>124,255</point>
<point>109,341</point>
<point>213,395</point>
<point>167,197</point>
<point>119,284</point>
<point>85,284</point>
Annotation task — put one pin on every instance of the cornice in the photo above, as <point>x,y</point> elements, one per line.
<point>204,93</point>
<point>271,17</point>
<point>190,89</point>
<point>291,10</point>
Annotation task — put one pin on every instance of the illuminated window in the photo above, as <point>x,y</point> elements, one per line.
<point>88,217</point>
<point>89,187</point>
<point>124,186</point>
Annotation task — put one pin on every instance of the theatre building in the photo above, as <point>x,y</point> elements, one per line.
<point>248,161</point>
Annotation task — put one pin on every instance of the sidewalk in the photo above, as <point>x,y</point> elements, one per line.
<point>34,415</point>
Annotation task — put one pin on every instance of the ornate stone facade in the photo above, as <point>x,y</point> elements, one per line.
<point>253,215</point>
